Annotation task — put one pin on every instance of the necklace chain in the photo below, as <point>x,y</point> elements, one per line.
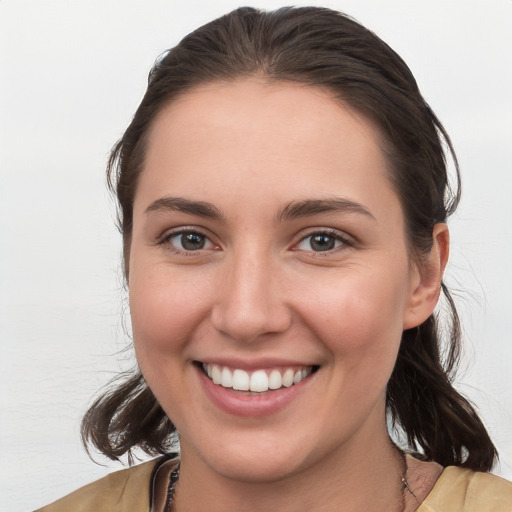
<point>173,479</point>
<point>405,484</point>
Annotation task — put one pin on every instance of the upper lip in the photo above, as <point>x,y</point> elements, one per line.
<point>255,364</point>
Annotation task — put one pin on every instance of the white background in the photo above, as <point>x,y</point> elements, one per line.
<point>71,75</point>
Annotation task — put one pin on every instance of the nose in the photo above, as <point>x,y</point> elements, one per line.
<point>251,299</point>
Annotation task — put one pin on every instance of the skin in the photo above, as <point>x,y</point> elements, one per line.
<point>257,292</point>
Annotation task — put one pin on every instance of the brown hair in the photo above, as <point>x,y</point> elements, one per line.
<point>324,48</point>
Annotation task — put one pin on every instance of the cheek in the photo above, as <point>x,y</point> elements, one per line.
<point>164,310</point>
<point>360,318</point>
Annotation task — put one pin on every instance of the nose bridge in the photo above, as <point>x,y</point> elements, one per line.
<point>250,299</point>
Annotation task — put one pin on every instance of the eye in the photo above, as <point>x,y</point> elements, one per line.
<point>188,241</point>
<point>321,242</point>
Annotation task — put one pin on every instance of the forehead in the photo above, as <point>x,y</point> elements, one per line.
<point>255,137</point>
<point>254,107</point>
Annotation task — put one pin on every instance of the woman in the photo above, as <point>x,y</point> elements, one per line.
<point>283,197</point>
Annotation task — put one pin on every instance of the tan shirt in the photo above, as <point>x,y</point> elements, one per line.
<point>129,490</point>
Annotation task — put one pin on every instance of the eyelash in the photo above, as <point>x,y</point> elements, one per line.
<point>166,240</point>
<point>329,233</point>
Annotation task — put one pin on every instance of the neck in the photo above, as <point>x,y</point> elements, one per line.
<point>364,474</point>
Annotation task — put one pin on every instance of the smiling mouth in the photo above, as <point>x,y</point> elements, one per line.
<point>258,381</point>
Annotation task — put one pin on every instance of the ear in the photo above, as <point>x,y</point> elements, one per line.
<point>426,277</point>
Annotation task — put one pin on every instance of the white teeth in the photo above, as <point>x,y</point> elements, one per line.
<point>207,369</point>
<point>259,381</point>
<point>226,378</point>
<point>241,380</point>
<point>275,380</point>
<point>288,378</point>
<point>216,374</point>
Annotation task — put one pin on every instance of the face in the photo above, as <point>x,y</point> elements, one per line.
<point>269,277</point>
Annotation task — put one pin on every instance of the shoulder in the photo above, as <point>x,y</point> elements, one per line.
<point>126,490</point>
<point>463,490</point>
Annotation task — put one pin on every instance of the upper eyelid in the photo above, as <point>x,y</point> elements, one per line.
<point>342,235</point>
<point>170,232</point>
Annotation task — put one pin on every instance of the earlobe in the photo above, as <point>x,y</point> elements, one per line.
<point>426,286</point>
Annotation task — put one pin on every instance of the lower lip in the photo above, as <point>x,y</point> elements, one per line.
<point>261,404</point>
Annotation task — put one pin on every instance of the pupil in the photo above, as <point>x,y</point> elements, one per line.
<point>322,243</point>
<point>192,241</point>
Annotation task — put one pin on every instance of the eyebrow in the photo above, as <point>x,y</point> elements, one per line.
<point>293,210</point>
<point>200,208</point>
<point>308,207</point>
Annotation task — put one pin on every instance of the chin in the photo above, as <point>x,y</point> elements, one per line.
<point>259,457</point>
<point>247,468</point>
